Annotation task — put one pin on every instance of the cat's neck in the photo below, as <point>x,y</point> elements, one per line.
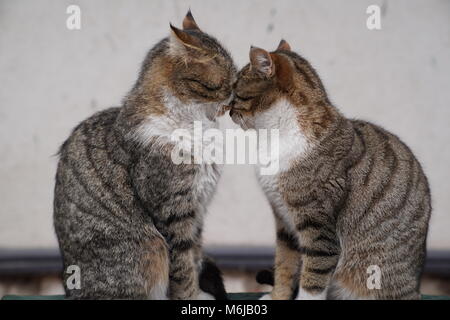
<point>185,113</point>
<point>167,113</point>
<point>300,128</point>
<point>285,134</point>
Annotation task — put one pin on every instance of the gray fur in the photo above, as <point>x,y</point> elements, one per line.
<point>123,211</point>
<point>354,197</point>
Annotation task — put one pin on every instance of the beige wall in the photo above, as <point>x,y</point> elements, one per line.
<point>52,78</point>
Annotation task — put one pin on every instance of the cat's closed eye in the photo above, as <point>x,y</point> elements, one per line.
<point>205,85</point>
<point>243,98</point>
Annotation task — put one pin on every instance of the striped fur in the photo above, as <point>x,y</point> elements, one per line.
<point>128,216</point>
<point>355,197</point>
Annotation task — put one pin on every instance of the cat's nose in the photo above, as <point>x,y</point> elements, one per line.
<point>231,112</point>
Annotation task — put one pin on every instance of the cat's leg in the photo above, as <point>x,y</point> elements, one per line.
<point>155,266</point>
<point>320,255</point>
<point>119,270</point>
<point>184,264</point>
<point>201,261</point>
<point>287,262</point>
<point>184,275</point>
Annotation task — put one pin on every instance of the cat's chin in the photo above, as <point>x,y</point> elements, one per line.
<point>213,111</point>
<point>239,120</point>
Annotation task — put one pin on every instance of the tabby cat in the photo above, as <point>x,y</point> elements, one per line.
<point>349,198</point>
<point>124,213</point>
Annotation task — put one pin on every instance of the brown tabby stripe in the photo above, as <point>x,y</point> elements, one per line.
<point>314,288</point>
<point>309,223</point>
<point>80,207</point>
<point>182,192</point>
<point>139,201</point>
<point>104,183</point>
<point>177,279</point>
<point>363,143</point>
<point>323,237</point>
<point>321,271</point>
<point>304,100</point>
<point>77,175</point>
<point>316,252</point>
<point>199,232</point>
<point>407,192</point>
<point>110,156</point>
<point>174,218</point>
<point>305,75</point>
<point>290,240</point>
<point>331,137</point>
<point>302,202</point>
<point>384,186</point>
<point>181,245</point>
<point>404,197</point>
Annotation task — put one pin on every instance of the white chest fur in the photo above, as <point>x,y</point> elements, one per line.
<point>178,116</point>
<point>292,145</point>
<point>186,117</point>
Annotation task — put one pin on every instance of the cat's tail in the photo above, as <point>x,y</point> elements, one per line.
<point>155,268</point>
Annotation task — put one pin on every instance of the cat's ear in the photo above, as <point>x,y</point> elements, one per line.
<point>261,61</point>
<point>189,22</point>
<point>181,41</point>
<point>284,71</point>
<point>284,45</point>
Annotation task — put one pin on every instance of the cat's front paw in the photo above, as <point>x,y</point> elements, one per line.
<point>205,296</point>
<point>304,295</point>
<point>267,296</point>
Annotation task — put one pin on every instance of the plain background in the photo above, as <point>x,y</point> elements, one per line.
<point>52,78</point>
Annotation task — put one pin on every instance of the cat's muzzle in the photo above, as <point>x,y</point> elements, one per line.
<point>237,118</point>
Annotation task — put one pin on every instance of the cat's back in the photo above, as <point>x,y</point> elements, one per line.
<point>92,178</point>
<point>384,219</point>
<point>386,180</point>
<point>90,130</point>
<point>387,188</point>
<point>382,154</point>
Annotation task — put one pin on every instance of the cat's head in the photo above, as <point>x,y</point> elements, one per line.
<point>272,79</point>
<point>191,64</point>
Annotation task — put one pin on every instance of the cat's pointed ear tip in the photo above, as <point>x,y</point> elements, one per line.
<point>189,21</point>
<point>253,48</point>
<point>284,45</point>
<point>258,51</point>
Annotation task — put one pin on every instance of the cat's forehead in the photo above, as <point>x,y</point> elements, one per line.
<point>211,44</point>
<point>249,80</point>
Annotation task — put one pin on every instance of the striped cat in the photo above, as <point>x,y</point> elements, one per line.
<point>128,216</point>
<point>349,197</point>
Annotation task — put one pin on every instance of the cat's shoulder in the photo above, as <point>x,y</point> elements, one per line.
<point>91,126</point>
<point>376,135</point>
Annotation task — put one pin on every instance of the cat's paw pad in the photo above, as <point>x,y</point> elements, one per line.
<point>205,296</point>
<point>267,296</point>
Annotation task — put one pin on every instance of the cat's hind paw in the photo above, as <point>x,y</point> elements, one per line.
<point>205,296</point>
<point>267,296</point>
